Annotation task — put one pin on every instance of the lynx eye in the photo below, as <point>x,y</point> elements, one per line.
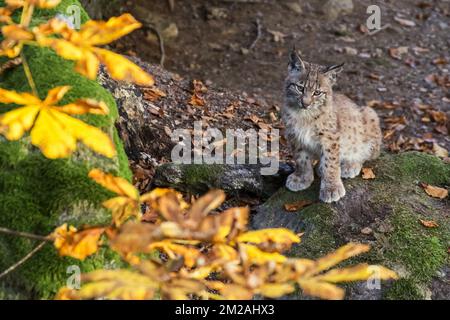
<point>297,86</point>
<point>318,93</point>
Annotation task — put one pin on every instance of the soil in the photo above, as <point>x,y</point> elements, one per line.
<point>410,91</point>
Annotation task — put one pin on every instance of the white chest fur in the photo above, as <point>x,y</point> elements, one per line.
<point>301,127</point>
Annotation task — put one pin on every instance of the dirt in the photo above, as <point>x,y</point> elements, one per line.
<point>214,45</point>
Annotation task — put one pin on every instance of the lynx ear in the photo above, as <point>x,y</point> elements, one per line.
<point>333,71</point>
<point>336,68</point>
<point>295,61</point>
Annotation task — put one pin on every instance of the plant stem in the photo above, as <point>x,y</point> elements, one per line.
<point>24,234</point>
<point>23,260</point>
<point>28,74</point>
<point>27,14</point>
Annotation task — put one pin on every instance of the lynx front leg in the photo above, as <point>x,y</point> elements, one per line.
<point>303,176</point>
<point>331,186</point>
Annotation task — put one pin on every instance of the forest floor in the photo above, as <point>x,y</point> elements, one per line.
<point>402,71</point>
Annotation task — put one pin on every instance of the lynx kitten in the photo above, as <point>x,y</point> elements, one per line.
<point>326,126</point>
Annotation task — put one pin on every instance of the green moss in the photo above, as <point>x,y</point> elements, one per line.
<point>202,174</point>
<point>319,238</point>
<point>394,200</point>
<point>38,194</point>
<point>404,289</point>
<point>421,250</point>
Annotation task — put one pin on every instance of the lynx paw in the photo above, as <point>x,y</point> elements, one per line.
<point>350,170</point>
<point>332,191</point>
<point>296,183</point>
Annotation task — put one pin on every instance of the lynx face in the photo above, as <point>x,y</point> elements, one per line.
<point>308,85</point>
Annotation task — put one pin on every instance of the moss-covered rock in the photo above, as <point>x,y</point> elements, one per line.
<point>37,194</point>
<point>388,208</point>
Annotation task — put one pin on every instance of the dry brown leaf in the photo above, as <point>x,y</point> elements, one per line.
<point>429,223</point>
<point>153,94</point>
<point>397,53</point>
<point>435,192</point>
<point>367,173</point>
<point>296,206</point>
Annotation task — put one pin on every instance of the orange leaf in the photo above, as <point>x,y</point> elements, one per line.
<point>435,192</point>
<point>296,206</point>
<point>429,223</point>
<point>367,173</point>
<point>52,129</point>
<point>77,244</point>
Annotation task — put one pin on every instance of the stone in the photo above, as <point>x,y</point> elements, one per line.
<point>294,6</point>
<point>336,8</point>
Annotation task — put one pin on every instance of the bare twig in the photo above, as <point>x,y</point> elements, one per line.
<point>258,33</point>
<point>29,75</point>
<point>371,33</point>
<point>171,4</point>
<point>161,44</point>
<point>24,234</point>
<point>23,260</point>
<point>10,64</point>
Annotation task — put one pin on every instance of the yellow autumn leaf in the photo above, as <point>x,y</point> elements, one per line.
<point>236,292</point>
<point>52,129</point>
<point>5,15</point>
<point>356,273</point>
<point>275,290</point>
<point>174,250</point>
<point>225,252</point>
<point>123,208</point>
<point>127,204</point>
<point>117,285</point>
<point>115,184</point>
<point>14,35</point>
<point>322,290</point>
<point>253,255</point>
<point>332,259</point>
<point>43,4</point>
<point>81,45</point>
<point>277,235</point>
<point>77,244</point>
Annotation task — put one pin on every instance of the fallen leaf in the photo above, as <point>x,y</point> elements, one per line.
<point>439,151</point>
<point>397,53</point>
<point>153,94</point>
<point>367,173</point>
<point>435,192</point>
<point>405,22</point>
<point>296,206</point>
<point>429,223</point>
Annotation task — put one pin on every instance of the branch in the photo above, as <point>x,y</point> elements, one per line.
<point>258,33</point>
<point>23,260</point>
<point>161,44</point>
<point>25,235</point>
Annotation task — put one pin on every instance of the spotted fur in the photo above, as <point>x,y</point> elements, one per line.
<point>325,126</point>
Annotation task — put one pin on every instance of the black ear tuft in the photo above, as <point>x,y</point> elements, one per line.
<point>336,68</point>
<point>295,61</point>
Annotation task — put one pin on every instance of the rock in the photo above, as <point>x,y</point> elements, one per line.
<point>103,9</point>
<point>336,8</point>
<point>38,194</point>
<point>294,6</point>
<point>234,179</point>
<point>391,205</point>
<point>216,13</point>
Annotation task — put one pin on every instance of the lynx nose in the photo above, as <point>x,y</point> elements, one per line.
<point>306,101</point>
